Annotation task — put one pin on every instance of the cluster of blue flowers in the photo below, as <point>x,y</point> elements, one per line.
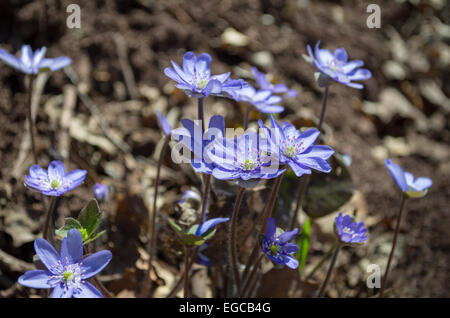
<point>245,159</point>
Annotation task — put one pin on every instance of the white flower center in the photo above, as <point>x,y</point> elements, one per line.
<point>336,65</point>
<point>249,161</point>
<point>70,275</point>
<point>200,80</point>
<point>291,146</point>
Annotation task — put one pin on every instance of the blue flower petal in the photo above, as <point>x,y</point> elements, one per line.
<point>341,54</point>
<point>397,174</point>
<point>287,236</point>
<point>189,60</point>
<point>47,253</point>
<point>72,247</point>
<point>87,290</point>
<point>94,263</point>
<point>56,170</point>
<point>204,227</point>
<point>11,60</point>
<point>36,279</point>
<point>271,229</point>
<point>61,292</point>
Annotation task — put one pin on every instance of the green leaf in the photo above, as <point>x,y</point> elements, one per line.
<point>303,246</point>
<point>70,223</point>
<point>208,234</point>
<point>191,239</point>
<point>90,217</point>
<point>326,193</point>
<point>94,237</point>
<point>193,229</point>
<point>175,227</point>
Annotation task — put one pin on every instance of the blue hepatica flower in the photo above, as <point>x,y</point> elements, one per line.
<point>413,188</point>
<point>55,181</point>
<point>191,136</point>
<point>101,191</point>
<point>33,63</point>
<point>298,149</point>
<point>201,258</point>
<point>263,100</point>
<point>349,232</point>
<point>196,80</point>
<point>209,225</point>
<point>244,157</point>
<point>336,66</point>
<point>265,84</point>
<point>276,245</point>
<point>190,195</point>
<point>66,273</point>
<point>164,124</point>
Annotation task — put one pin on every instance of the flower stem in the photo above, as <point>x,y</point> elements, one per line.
<point>106,293</point>
<point>305,179</point>
<point>232,250</point>
<point>206,190</point>
<point>30,117</point>
<point>152,224</point>
<point>394,243</point>
<point>320,263</point>
<point>303,184</point>
<point>45,231</point>
<point>246,116</point>
<point>181,280</point>
<point>324,108</point>
<point>330,269</point>
<point>267,211</point>
<point>186,272</point>
<point>252,275</point>
<point>201,115</point>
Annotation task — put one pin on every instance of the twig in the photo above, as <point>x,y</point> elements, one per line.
<point>152,223</point>
<point>30,117</point>
<point>95,112</point>
<point>127,71</point>
<point>14,264</point>
<point>25,144</point>
<point>394,243</point>
<point>70,100</point>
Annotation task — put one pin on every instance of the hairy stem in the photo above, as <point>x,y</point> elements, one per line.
<point>48,217</point>
<point>330,270</point>
<point>246,116</point>
<point>267,211</point>
<point>324,108</point>
<point>152,224</point>
<point>303,184</point>
<point>320,263</point>
<point>186,272</point>
<point>252,275</point>
<point>201,115</point>
<point>206,190</point>
<point>305,179</point>
<point>232,250</point>
<point>394,243</point>
<point>177,286</point>
<point>97,283</point>
<point>30,117</point>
